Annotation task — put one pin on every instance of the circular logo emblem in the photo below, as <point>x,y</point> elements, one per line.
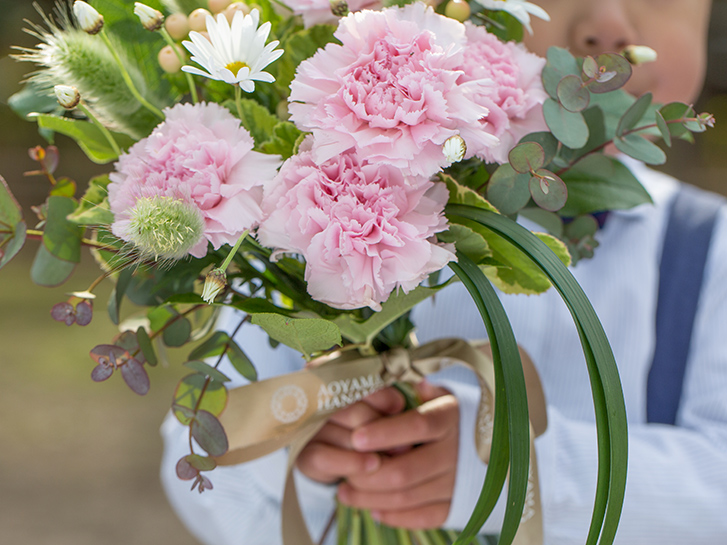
<point>288,404</point>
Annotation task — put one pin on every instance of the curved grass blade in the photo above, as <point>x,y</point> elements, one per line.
<point>608,399</point>
<point>511,435</point>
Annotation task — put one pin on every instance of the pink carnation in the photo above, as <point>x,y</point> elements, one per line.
<point>318,12</point>
<point>364,229</point>
<point>390,90</point>
<point>202,156</point>
<point>513,99</point>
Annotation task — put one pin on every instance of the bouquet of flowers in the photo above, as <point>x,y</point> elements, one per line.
<point>314,165</point>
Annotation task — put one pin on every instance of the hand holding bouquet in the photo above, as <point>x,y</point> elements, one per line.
<point>315,170</point>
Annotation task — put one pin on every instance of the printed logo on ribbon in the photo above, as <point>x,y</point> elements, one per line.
<point>289,403</point>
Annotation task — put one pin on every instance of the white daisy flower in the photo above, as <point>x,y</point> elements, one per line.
<point>235,54</point>
<point>520,9</point>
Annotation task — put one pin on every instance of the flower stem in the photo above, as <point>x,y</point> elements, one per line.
<point>190,80</point>
<point>127,78</point>
<point>101,127</point>
<point>228,259</point>
<point>238,100</point>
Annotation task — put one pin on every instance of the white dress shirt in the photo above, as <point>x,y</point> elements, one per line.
<point>677,483</point>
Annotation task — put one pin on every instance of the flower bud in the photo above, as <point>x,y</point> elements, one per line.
<point>639,54</point>
<point>217,6</point>
<point>214,283</point>
<point>339,8</point>
<point>90,20</point>
<point>234,8</point>
<point>67,96</point>
<point>169,60</point>
<point>458,10</point>
<point>198,19</point>
<point>454,149</point>
<point>177,26</point>
<point>150,18</point>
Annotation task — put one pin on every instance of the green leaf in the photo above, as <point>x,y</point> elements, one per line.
<point>546,140</point>
<point>674,111</point>
<point>572,94</point>
<point>548,190</point>
<point>256,119</point>
<point>560,64</point>
<point>507,190</point>
<point>299,46</point>
<point>598,183</point>
<point>398,304</point>
<point>214,346</point>
<point>209,433</point>
<point>177,332</point>
<point>511,432</point>
<point>284,140</point>
<point>638,147</point>
<point>12,226</point>
<point>241,362</point>
<point>549,221</point>
<point>634,114</point>
<point>117,295</point>
<point>49,271</point>
<point>610,411</point>
<point>87,135</point>
<point>568,127</point>
<point>663,128</point>
<point>614,72</point>
<point>467,242</point>
<point>188,392</point>
<point>207,370</point>
<point>526,157</point>
<point>93,208</point>
<point>464,195</point>
<point>61,237</point>
<point>306,335</point>
<point>142,338</point>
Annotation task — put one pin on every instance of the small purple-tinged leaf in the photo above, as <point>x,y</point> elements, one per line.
<point>613,73</point>
<point>185,471</point>
<point>135,377</point>
<point>201,463</point>
<point>204,484</point>
<point>101,372</point>
<point>63,312</point>
<point>209,433</point>
<point>51,158</point>
<point>84,313</point>
<point>107,354</point>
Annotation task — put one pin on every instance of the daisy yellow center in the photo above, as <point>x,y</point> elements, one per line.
<point>236,66</point>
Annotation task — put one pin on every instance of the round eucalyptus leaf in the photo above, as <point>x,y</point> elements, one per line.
<point>188,392</point>
<point>527,157</point>
<point>573,94</point>
<point>590,67</point>
<point>548,190</point>
<point>570,128</point>
<point>507,190</point>
<point>177,332</point>
<point>613,73</point>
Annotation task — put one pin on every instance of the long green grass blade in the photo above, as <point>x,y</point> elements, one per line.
<point>605,382</point>
<point>510,396</point>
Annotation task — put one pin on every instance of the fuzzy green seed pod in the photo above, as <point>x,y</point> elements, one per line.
<point>164,228</point>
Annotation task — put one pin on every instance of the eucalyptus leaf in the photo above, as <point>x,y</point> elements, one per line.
<point>12,226</point>
<point>306,335</point>
<point>568,127</point>
<point>613,73</point>
<point>572,94</point>
<point>207,370</point>
<point>87,135</point>
<point>214,346</point>
<point>548,190</point>
<point>640,148</point>
<point>663,128</point>
<point>508,190</point>
<point>61,237</point>
<point>190,390</point>
<point>209,433</point>
<point>241,362</point>
<point>634,114</point>
<point>49,271</point>
<point>561,63</point>
<point>146,346</point>
<point>546,140</point>
<point>177,332</point>
<point>123,280</point>
<point>526,157</point>
<point>598,183</point>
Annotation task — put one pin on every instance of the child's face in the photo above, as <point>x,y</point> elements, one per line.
<point>676,29</point>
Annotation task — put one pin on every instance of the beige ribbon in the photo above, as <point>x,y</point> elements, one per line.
<point>288,410</point>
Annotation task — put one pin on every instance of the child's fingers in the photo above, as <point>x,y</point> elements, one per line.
<point>327,464</point>
<point>429,516</point>
<point>385,401</point>
<point>435,490</point>
<point>409,469</point>
<point>431,421</point>
<point>334,435</point>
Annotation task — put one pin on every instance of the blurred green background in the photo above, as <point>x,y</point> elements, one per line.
<point>79,460</point>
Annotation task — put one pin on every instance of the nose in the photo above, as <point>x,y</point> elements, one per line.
<point>604,26</point>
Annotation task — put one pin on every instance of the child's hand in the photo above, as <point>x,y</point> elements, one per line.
<point>400,465</point>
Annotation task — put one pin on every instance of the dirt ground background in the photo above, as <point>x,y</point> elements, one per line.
<point>79,460</point>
